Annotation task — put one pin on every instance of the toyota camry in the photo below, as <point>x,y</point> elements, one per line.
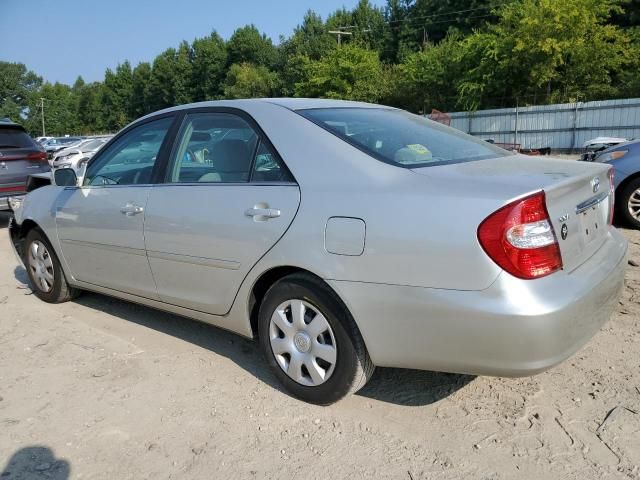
<point>341,235</point>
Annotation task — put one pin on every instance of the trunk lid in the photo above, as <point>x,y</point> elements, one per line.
<point>577,195</point>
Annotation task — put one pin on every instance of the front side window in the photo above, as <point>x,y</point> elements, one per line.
<point>213,148</point>
<point>130,160</point>
<point>401,138</point>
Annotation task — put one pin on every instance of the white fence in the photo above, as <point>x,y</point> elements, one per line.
<point>562,127</point>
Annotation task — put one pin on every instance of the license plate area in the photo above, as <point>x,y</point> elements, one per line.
<point>593,220</point>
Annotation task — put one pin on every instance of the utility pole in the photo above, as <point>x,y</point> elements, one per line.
<point>339,33</point>
<point>42,107</point>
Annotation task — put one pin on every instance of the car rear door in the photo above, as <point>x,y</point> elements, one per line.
<point>100,225</point>
<point>226,200</point>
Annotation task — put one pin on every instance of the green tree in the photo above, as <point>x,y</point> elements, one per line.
<point>249,81</point>
<point>116,98</point>
<point>90,109</point>
<point>429,78</point>
<point>209,67</point>
<point>17,86</point>
<point>247,45</point>
<point>564,50</point>
<point>349,72</point>
<point>61,115</point>
<point>168,86</point>
<point>310,40</point>
<point>140,77</point>
<point>369,26</point>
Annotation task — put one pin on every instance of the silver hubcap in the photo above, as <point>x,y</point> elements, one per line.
<point>41,266</point>
<point>302,342</point>
<point>634,204</point>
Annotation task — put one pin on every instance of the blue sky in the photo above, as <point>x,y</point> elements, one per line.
<point>61,39</point>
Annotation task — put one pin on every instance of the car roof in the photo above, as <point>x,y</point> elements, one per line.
<point>6,122</point>
<point>309,103</point>
<point>289,103</point>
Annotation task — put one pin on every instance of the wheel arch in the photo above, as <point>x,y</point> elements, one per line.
<point>623,184</point>
<point>268,278</point>
<point>619,217</point>
<point>20,233</point>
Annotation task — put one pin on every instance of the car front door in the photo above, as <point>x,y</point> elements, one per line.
<point>101,224</point>
<point>226,200</point>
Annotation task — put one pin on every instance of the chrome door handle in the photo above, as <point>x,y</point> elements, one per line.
<point>131,209</point>
<point>262,213</point>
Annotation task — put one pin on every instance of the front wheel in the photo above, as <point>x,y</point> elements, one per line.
<point>311,342</point>
<point>628,205</point>
<point>45,273</point>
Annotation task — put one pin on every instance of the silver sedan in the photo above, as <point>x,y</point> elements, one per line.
<point>341,235</point>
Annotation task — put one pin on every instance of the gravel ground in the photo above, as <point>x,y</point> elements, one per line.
<point>102,388</point>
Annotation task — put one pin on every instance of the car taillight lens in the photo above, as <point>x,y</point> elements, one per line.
<point>520,238</point>
<point>39,156</point>
<point>612,195</point>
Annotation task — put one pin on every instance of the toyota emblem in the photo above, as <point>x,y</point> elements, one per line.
<point>595,184</point>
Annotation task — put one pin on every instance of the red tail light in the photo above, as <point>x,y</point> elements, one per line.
<point>520,238</point>
<point>612,195</point>
<point>41,156</point>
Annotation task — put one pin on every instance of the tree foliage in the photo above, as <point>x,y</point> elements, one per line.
<point>245,80</point>
<point>350,72</point>
<point>416,54</point>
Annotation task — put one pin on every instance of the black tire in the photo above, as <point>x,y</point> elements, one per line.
<point>622,205</point>
<point>352,368</point>
<point>60,290</point>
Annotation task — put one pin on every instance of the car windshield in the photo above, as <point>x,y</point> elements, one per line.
<point>15,138</point>
<point>401,138</point>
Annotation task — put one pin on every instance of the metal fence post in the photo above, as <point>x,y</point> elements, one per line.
<point>515,135</point>
<point>575,127</point>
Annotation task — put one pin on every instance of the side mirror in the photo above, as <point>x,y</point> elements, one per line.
<point>65,177</point>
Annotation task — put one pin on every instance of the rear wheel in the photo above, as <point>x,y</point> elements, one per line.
<point>311,342</point>
<point>628,206</point>
<point>45,273</point>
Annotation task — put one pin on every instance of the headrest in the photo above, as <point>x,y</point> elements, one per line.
<point>232,156</point>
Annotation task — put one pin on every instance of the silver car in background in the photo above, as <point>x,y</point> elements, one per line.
<point>342,235</point>
<point>77,156</point>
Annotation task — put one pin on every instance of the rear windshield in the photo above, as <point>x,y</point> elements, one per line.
<point>15,138</point>
<point>401,138</point>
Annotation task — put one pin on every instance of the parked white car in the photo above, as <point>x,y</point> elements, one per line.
<point>77,156</point>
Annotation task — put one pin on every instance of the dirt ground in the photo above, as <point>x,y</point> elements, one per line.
<point>101,388</point>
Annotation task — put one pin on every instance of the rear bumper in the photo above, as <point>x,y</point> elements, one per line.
<point>513,328</point>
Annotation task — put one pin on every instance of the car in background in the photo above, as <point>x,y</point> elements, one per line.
<point>20,156</point>
<point>56,144</point>
<point>625,160</point>
<point>342,235</point>
<point>42,140</point>
<point>77,156</point>
<point>592,147</point>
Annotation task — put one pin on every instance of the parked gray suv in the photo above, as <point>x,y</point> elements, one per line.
<point>20,156</point>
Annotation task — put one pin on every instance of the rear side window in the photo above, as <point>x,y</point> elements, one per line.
<point>268,168</point>
<point>15,138</point>
<point>400,138</point>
